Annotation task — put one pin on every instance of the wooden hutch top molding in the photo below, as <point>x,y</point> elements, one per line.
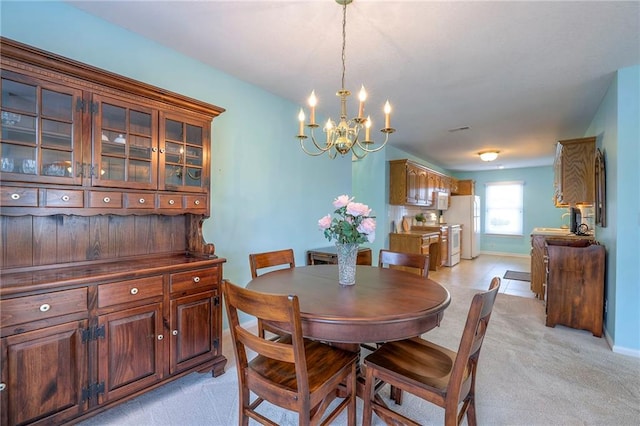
<point>16,54</point>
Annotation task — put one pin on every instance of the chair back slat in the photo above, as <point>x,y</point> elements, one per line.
<point>420,262</point>
<point>272,259</point>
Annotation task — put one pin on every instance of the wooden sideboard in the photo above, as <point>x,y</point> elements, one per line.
<point>575,287</point>
<point>108,287</point>
<point>328,255</point>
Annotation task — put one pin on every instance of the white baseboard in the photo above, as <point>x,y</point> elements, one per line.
<point>496,253</point>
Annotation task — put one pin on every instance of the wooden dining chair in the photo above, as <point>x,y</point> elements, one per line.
<point>271,259</point>
<point>419,263</point>
<point>278,259</point>
<point>432,372</point>
<point>293,373</point>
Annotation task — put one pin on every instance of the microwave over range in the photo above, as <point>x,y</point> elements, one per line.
<point>442,200</point>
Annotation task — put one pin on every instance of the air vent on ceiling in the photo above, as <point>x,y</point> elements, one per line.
<point>458,129</point>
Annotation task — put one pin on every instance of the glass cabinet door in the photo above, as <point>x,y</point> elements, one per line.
<point>40,132</point>
<point>125,144</point>
<point>184,153</point>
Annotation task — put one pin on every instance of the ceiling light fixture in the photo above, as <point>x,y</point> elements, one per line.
<point>347,134</point>
<point>488,155</point>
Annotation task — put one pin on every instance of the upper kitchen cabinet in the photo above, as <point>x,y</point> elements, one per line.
<point>79,140</point>
<point>574,171</point>
<point>409,184</point>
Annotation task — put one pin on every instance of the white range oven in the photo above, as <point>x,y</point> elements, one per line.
<point>453,257</point>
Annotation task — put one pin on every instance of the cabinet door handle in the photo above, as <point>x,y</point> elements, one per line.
<point>134,291</point>
<point>45,307</point>
<point>154,149</point>
<point>160,337</point>
<point>15,196</point>
<point>162,151</point>
<point>3,386</point>
<point>174,332</point>
<point>106,199</point>
<point>65,198</point>
<point>196,279</point>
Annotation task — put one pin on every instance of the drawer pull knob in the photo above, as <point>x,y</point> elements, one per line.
<point>141,200</point>
<point>134,291</point>
<point>196,279</point>
<point>65,198</point>
<point>160,337</point>
<point>106,199</point>
<point>45,307</point>
<point>15,196</point>
<point>172,202</point>
<point>174,332</point>
<point>196,202</point>
<point>3,386</point>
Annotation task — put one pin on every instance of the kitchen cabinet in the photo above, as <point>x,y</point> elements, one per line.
<point>443,251</point>
<point>423,242</point>
<point>413,184</point>
<point>465,187</point>
<point>575,287</point>
<point>574,171</point>
<point>108,286</point>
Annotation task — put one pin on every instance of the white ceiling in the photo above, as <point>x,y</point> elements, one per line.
<point>521,75</point>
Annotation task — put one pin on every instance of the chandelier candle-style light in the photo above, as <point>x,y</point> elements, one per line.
<point>346,135</point>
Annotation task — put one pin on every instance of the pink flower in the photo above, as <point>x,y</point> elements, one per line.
<point>341,201</point>
<point>358,209</point>
<point>325,222</point>
<point>367,226</point>
<point>371,237</point>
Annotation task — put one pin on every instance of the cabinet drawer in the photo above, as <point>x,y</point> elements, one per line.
<point>183,281</point>
<point>63,198</point>
<point>195,202</point>
<point>11,196</point>
<point>168,201</point>
<point>129,291</point>
<point>42,306</point>
<point>139,201</point>
<point>105,199</point>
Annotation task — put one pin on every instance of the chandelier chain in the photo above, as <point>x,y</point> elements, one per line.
<point>344,40</point>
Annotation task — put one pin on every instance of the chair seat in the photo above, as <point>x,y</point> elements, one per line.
<point>416,361</point>
<point>322,361</point>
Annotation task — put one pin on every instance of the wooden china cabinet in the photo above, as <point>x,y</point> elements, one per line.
<point>108,287</point>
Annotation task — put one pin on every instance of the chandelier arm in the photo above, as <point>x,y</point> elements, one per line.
<point>327,146</point>
<point>386,138</point>
<point>313,154</point>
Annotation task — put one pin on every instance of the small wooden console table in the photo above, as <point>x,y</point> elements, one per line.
<point>328,255</point>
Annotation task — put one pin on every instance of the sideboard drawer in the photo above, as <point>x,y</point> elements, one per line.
<point>139,201</point>
<point>42,306</point>
<point>12,196</point>
<point>129,291</point>
<point>188,280</point>
<point>105,199</point>
<point>170,201</point>
<point>64,198</point>
<point>195,202</point>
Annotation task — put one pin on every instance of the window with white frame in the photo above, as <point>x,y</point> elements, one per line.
<point>503,208</point>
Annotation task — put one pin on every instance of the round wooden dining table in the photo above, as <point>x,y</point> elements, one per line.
<point>383,305</point>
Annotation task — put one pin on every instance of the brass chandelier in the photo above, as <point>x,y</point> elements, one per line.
<point>346,135</point>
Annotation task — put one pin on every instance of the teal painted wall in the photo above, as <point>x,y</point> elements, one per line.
<point>616,125</point>
<point>539,210</point>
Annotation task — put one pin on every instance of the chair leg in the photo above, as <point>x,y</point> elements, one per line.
<point>351,388</point>
<point>471,412</point>
<point>369,390</point>
<point>396,395</point>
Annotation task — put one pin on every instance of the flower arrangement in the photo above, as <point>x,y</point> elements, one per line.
<point>352,222</point>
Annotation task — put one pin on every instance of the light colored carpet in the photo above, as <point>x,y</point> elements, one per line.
<point>529,374</point>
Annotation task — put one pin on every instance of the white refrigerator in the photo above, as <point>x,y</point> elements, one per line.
<point>465,210</point>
